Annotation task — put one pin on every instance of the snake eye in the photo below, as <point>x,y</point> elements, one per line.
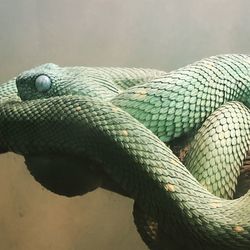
<point>43,83</point>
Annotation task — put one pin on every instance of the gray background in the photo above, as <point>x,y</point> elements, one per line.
<point>158,34</point>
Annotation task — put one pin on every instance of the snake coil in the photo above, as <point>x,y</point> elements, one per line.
<point>125,118</point>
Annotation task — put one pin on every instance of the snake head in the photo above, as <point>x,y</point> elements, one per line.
<point>50,80</point>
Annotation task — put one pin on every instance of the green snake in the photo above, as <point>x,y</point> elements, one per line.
<point>124,119</point>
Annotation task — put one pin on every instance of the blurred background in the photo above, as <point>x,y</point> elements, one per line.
<point>162,34</point>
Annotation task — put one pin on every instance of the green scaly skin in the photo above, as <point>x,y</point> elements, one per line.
<point>175,104</point>
<point>181,100</point>
<point>8,92</point>
<point>140,162</point>
<point>110,81</point>
<point>103,83</point>
<point>219,148</point>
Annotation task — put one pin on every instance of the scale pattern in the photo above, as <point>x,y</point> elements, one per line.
<point>181,100</point>
<point>102,83</point>
<point>8,92</point>
<point>219,148</point>
<point>139,162</point>
<point>89,112</point>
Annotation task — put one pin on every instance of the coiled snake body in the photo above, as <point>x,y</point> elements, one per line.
<point>123,119</point>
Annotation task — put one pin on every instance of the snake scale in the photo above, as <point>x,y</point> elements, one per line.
<point>125,119</point>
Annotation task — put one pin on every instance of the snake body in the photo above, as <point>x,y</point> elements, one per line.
<point>126,128</point>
